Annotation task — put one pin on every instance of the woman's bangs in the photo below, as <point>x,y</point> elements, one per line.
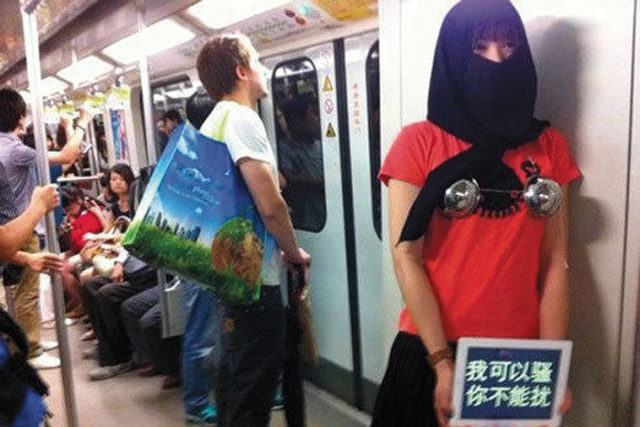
<point>498,30</point>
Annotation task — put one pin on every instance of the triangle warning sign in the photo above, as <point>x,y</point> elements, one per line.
<point>331,133</point>
<point>327,86</point>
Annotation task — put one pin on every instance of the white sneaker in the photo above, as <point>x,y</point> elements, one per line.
<point>48,345</point>
<point>45,361</point>
<point>70,322</point>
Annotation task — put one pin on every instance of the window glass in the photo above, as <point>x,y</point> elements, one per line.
<point>299,142</point>
<point>373,99</point>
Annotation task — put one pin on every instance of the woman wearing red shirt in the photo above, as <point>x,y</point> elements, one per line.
<point>81,219</point>
<point>80,222</point>
<point>500,271</point>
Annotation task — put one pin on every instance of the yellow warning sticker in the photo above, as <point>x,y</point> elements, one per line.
<point>331,132</point>
<point>327,86</point>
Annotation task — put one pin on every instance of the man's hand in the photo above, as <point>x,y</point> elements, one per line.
<point>443,393</point>
<point>46,198</point>
<point>45,262</point>
<point>303,259</point>
<point>118,273</point>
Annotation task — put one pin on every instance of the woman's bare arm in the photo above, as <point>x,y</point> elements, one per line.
<point>554,275</point>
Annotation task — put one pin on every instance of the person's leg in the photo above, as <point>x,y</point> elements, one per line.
<point>113,344</point>
<point>405,398</point>
<point>164,353</point>
<point>133,311</point>
<point>27,300</point>
<point>252,361</point>
<point>200,343</point>
<point>88,294</point>
<point>71,286</point>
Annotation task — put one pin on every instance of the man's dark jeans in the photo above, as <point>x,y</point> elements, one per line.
<point>251,361</point>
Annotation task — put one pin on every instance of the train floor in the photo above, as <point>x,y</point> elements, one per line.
<point>129,400</point>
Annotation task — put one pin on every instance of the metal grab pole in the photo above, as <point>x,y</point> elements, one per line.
<point>93,158</point>
<point>149,136</point>
<point>149,130</point>
<point>32,53</point>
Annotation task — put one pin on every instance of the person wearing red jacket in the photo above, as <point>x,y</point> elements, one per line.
<point>81,219</point>
<point>78,221</point>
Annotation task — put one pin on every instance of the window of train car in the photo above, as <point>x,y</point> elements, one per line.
<point>299,142</point>
<point>169,96</point>
<point>373,98</point>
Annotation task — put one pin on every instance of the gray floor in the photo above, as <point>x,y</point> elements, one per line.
<point>129,400</point>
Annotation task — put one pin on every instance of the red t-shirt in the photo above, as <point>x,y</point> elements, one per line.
<point>484,271</point>
<point>87,222</point>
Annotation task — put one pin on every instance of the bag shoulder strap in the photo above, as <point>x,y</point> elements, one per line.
<point>218,131</point>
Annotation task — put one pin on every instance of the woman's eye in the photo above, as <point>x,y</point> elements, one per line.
<point>509,47</point>
<point>479,48</point>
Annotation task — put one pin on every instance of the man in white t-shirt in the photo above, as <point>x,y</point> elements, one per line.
<point>253,341</point>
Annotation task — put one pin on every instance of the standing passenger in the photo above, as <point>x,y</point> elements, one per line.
<point>253,341</point>
<point>201,338</point>
<point>19,162</point>
<point>501,270</point>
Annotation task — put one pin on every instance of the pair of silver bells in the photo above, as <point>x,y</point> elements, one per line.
<point>542,196</point>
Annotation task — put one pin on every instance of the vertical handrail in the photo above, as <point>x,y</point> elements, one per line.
<point>93,159</point>
<point>149,130</point>
<point>32,54</point>
<point>149,136</point>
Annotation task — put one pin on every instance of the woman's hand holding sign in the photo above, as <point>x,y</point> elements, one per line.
<point>443,393</point>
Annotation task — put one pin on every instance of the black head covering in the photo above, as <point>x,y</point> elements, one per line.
<point>487,104</point>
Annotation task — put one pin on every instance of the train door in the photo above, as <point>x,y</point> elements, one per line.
<point>301,117</point>
<point>363,100</point>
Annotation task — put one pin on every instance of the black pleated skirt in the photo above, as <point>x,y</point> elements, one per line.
<point>405,398</point>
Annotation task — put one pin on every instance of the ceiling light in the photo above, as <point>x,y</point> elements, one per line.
<point>85,70</point>
<point>180,93</point>
<point>155,38</point>
<point>215,15</point>
<point>52,85</point>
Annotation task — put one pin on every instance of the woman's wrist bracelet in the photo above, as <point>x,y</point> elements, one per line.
<point>438,356</point>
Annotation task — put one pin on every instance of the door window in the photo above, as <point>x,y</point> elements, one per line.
<point>373,98</point>
<point>299,142</point>
<point>169,96</point>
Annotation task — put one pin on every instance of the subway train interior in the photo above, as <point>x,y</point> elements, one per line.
<point>361,70</point>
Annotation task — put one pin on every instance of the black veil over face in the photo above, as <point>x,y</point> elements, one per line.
<point>487,104</point>
<point>479,101</point>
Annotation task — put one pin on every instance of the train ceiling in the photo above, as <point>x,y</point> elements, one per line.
<point>86,41</point>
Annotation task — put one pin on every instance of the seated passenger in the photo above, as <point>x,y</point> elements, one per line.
<point>105,197</point>
<point>82,215</point>
<point>153,354</point>
<point>77,222</point>
<point>120,178</point>
<point>102,299</point>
